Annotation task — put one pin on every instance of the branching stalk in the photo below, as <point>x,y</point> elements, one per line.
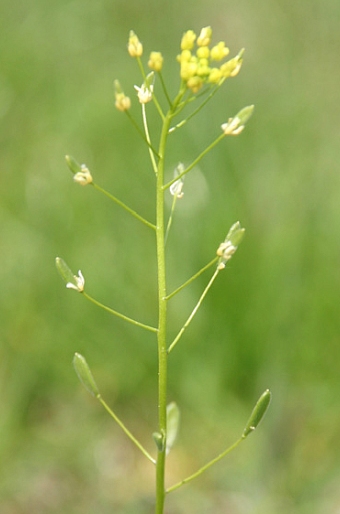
<point>124,206</point>
<point>119,314</point>
<point>190,318</point>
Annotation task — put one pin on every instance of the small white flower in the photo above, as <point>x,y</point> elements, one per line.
<point>84,176</point>
<point>79,283</point>
<point>144,93</point>
<point>233,127</point>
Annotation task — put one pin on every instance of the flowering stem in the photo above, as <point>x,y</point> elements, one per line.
<point>215,259</point>
<point>126,430</point>
<point>207,466</point>
<point>188,321</point>
<point>124,206</point>
<point>162,318</point>
<point>196,161</point>
<point>119,315</point>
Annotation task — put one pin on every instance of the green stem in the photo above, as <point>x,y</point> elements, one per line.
<point>207,466</point>
<point>147,135</point>
<point>119,315</point>
<point>123,427</point>
<point>207,266</point>
<point>196,161</point>
<point>124,206</point>
<point>140,132</point>
<point>162,318</point>
<point>190,318</point>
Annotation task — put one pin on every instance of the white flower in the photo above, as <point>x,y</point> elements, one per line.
<point>233,127</point>
<point>79,283</point>
<point>84,176</point>
<point>144,93</point>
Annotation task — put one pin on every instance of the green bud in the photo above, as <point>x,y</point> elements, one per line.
<point>74,166</point>
<point>172,420</point>
<point>258,413</point>
<point>84,374</point>
<point>159,440</point>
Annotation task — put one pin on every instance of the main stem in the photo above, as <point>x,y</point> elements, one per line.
<point>162,318</point>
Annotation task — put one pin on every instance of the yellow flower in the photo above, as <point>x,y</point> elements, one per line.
<point>204,37</point>
<point>188,40</point>
<point>195,84</point>
<point>155,61</point>
<point>123,102</point>
<point>215,76</point>
<point>219,51</point>
<point>135,47</point>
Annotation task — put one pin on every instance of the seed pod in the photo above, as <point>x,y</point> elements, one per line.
<point>258,413</point>
<point>84,374</point>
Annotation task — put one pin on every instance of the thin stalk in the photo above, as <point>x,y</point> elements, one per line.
<point>190,318</point>
<point>140,132</point>
<point>124,206</point>
<point>207,266</point>
<point>164,89</point>
<point>126,430</point>
<point>196,161</point>
<point>120,315</point>
<point>162,318</point>
<point>207,466</point>
<point>183,122</point>
<point>147,135</point>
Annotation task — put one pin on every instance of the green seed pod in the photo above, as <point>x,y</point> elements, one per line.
<point>258,413</point>
<point>64,271</point>
<point>84,374</point>
<point>235,234</point>
<point>172,420</point>
<point>72,164</point>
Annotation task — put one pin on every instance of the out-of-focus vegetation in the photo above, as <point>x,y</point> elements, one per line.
<point>272,318</point>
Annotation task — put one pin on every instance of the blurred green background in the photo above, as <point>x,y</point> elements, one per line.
<point>270,320</point>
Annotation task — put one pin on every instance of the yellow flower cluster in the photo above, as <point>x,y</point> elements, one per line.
<point>197,66</point>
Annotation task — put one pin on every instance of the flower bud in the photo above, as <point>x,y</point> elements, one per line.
<point>204,37</point>
<point>84,374</point>
<point>123,102</point>
<point>219,51</point>
<point>135,47</point>
<point>155,61</point>
<point>188,40</point>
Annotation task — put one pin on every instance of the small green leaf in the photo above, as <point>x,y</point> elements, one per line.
<point>258,413</point>
<point>173,418</point>
<point>74,166</point>
<point>84,374</point>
